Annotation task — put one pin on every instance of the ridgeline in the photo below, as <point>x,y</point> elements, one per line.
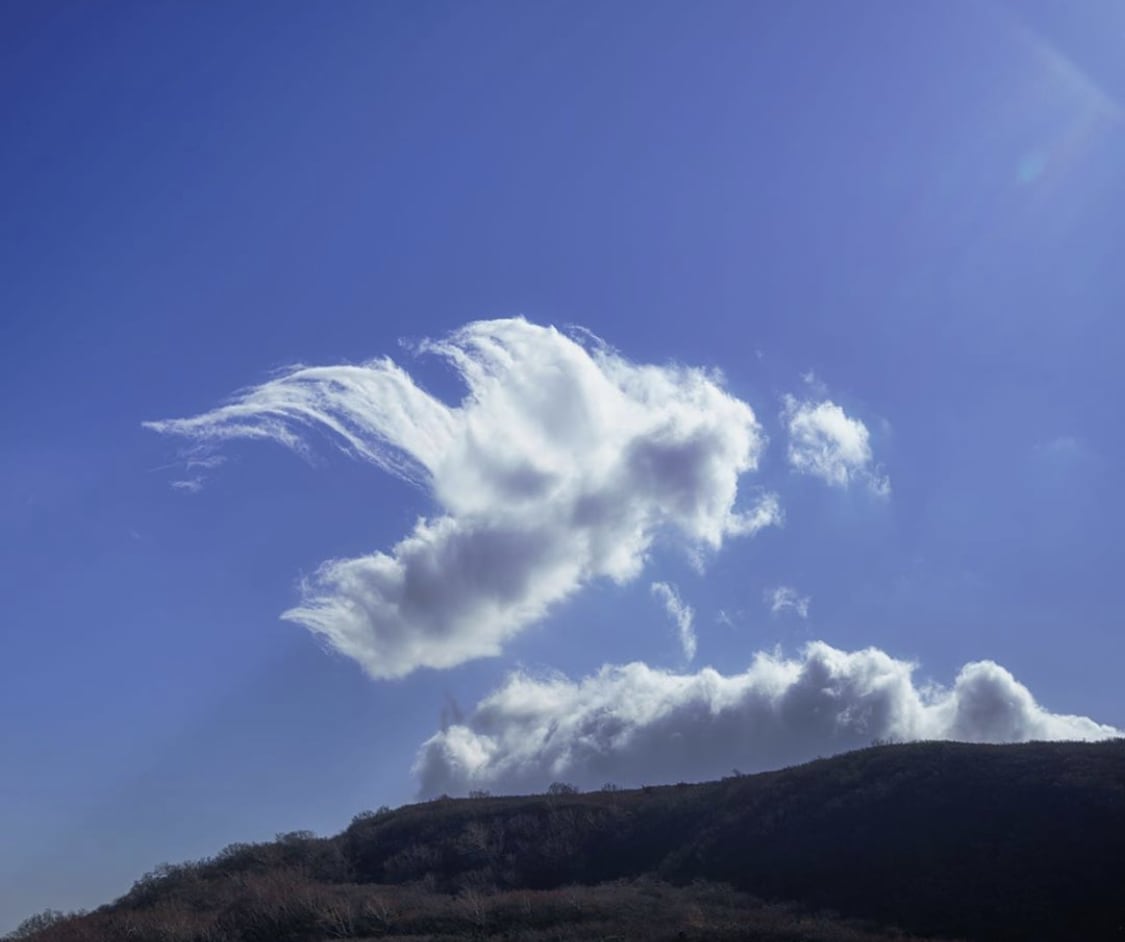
<point>947,840</point>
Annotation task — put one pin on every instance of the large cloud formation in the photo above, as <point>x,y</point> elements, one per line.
<point>826,442</point>
<point>634,724</point>
<point>561,465</point>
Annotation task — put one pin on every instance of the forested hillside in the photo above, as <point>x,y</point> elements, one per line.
<point>933,839</point>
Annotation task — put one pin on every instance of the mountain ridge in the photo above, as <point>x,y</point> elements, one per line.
<point>946,839</point>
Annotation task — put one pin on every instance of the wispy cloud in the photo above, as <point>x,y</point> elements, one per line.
<point>188,485</point>
<point>785,598</point>
<point>634,725</point>
<point>196,462</point>
<point>560,465</point>
<point>1064,451</point>
<point>682,615</point>
<point>826,442</point>
<point>816,386</point>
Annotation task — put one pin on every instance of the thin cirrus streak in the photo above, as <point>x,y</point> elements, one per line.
<point>682,615</point>
<point>634,724</point>
<point>559,466</point>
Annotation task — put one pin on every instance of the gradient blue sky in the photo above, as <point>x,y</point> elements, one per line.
<point>920,203</point>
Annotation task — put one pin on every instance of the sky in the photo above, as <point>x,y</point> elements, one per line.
<point>406,399</point>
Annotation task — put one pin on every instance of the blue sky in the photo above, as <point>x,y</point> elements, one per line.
<point>890,227</point>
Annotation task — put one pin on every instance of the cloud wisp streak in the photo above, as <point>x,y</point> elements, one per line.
<point>682,615</point>
<point>633,724</point>
<point>561,464</point>
<point>787,599</point>
<point>826,442</point>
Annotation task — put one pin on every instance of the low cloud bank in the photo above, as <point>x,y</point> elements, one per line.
<point>633,724</point>
<point>561,464</point>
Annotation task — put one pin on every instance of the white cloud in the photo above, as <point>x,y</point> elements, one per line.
<point>188,485</point>
<point>195,462</point>
<point>682,615</point>
<point>635,725</point>
<point>815,384</point>
<point>561,465</point>
<point>1064,451</point>
<point>785,598</point>
<point>825,442</point>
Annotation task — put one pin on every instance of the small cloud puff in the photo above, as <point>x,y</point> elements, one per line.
<point>560,465</point>
<point>682,615</point>
<point>633,725</point>
<point>196,462</point>
<point>827,443</point>
<point>188,485</point>
<point>785,598</point>
<point>1065,452</point>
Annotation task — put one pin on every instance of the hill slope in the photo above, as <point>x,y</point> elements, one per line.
<point>973,841</point>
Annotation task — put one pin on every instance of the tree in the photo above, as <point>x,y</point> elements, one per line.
<point>37,923</point>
